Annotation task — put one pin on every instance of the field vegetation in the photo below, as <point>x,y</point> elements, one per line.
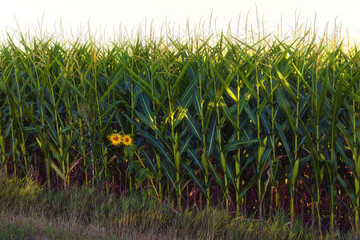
<point>257,125</point>
<point>30,212</point>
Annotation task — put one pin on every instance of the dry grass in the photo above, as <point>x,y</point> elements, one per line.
<point>131,217</point>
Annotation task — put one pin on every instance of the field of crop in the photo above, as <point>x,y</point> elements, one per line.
<point>258,127</point>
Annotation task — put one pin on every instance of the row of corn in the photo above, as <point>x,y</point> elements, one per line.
<point>189,121</point>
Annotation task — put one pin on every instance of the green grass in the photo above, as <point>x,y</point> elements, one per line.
<point>30,212</point>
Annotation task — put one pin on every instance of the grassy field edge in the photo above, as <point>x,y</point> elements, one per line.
<point>28,211</point>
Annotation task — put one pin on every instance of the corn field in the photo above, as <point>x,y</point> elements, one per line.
<point>256,127</point>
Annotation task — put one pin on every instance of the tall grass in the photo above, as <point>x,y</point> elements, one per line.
<point>260,125</point>
<point>28,211</point>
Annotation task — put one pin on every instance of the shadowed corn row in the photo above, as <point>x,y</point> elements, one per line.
<point>268,125</point>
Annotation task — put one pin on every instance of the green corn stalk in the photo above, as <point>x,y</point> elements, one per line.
<point>172,94</point>
<point>238,157</point>
<point>273,166</point>
<point>219,142</point>
<point>218,104</point>
<point>4,158</point>
<point>177,167</point>
<point>333,131</point>
<point>350,131</point>
<point>157,156</point>
<point>2,147</point>
<point>261,148</point>
<point>296,156</point>
<point>315,160</point>
<point>261,151</point>
<point>239,109</point>
<point>204,158</point>
<point>58,136</point>
<point>294,160</point>
<point>312,130</point>
<point>356,159</point>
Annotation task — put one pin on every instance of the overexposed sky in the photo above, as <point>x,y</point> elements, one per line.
<point>106,16</point>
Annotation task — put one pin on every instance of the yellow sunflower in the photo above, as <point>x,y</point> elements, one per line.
<point>127,140</point>
<point>115,139</point>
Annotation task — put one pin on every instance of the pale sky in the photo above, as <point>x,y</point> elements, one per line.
<point>106,16</point>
